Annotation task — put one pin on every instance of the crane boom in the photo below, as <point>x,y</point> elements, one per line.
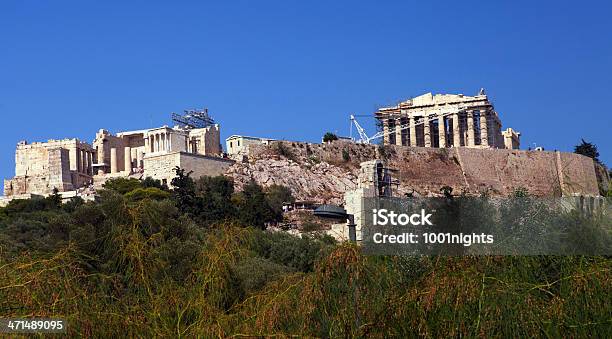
<point>361,131</point>
<point>364,139</point>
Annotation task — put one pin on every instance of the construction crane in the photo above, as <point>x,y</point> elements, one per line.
<point>364,139</point>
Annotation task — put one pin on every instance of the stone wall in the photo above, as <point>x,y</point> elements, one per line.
<point>497,172</point>
<point>51,170</point>
<point>162,166</point>
<point>324,172</point>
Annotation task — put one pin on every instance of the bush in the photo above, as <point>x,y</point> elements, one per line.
<point>253,208</point>
<point>277,196</point>
<point>215,198</point>
<point>255,272</point>
<point>283,150</point>
<point>122,185</point>
<point>329,137</point>
<point>345,155</point>
<point>153,193</point>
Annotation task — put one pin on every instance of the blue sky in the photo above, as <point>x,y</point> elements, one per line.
<point>295,69</point>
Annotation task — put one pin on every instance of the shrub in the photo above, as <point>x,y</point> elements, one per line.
<point>122,185</point>
<point>276,196</point>
<point>283,150</point>
<point>253,208</point>
<point>345,155</point>
<point>255,272</point>
<point>329,137</point>
<point>153,193</point>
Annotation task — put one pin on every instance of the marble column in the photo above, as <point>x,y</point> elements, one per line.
<point>385,132</point>
<point>90,163</point>
<point>77,159</point>
<point>426,131</point>
<point>84,161</point>
<point>499,140</point>
<point>113,160</point>
<point>139,157</point>
<point>413,140</point>
<point>484,128</point>
<point>492,130</point>
<point>456,131</point>
<point>441,131</point>
<point>470,129</point>
<point>398,132</point>
<point>127,159</point>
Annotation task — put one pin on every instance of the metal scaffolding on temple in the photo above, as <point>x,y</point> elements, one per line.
<point>193,118</point>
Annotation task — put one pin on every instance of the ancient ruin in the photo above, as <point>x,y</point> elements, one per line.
<point>71,164</point>
<point>446,120</point>
<point>487,161</point>
<point>42,166</point>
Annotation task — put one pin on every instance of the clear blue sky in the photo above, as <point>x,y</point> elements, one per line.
<point>295,69</point>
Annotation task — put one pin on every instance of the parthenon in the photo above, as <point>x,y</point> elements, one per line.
<point>446,120</point>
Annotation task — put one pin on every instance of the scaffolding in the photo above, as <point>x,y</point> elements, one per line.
<point>364,139</point>
<point>193,118</point>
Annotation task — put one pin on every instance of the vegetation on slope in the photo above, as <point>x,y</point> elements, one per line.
<point>188,263</point>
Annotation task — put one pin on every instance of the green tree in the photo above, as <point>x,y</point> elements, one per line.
<point>122,185</point>
<point>253,208</point>
<point>587,149</point>
<point>276,196</point>
<point>150,182</point>
<point>54,201</point>
<point>215,194</point>
<point>152,193</point>
<point>329,136</point>
<point>184,192</point>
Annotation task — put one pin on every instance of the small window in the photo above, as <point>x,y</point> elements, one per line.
<point>230,144</point>
<point>238,143</point>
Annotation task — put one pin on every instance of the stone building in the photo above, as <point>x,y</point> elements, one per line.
<point>42,166</point>
<point>237,143</point>
<point>446,120</point>
<point>70,164</point>
<point>156,152</point>
<point>125,152</point>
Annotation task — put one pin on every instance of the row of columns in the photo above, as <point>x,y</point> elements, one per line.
<point>158,142</point>
<point>127,157</point>
<point>462,135</point>
<point>84,161</point>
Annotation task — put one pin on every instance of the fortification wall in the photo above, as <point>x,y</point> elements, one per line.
<point>323,172</point>
<point>162,166</point>
<point>52,171</point>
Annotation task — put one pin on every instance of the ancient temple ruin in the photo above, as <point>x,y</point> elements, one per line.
<point>446,120</point>
<point>71,164</point>
<point>42,166</point>
<point>125,151</point>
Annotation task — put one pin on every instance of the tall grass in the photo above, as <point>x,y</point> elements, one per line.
<point>148,271</point>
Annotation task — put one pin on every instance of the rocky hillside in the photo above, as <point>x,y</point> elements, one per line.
<point>323,172</point>
<point>313,172</point>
